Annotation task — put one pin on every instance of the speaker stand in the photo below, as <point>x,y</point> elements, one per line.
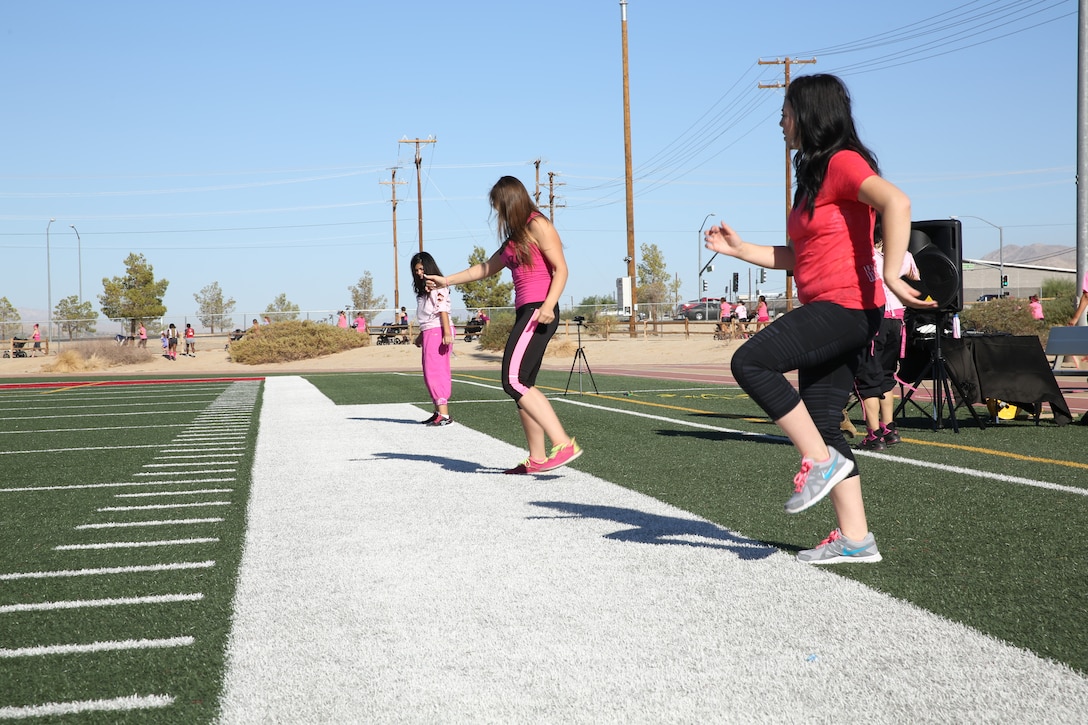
<point>943,380</point>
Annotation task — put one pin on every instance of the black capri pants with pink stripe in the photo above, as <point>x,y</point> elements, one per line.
<point>822,342</point>
<point>525,350</point>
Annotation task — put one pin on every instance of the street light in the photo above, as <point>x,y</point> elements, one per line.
<point>79,257</point>
<point>1000,250</point>
<point>48,289</point>
<point>699,277</point>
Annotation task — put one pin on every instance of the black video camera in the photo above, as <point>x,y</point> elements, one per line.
<point>579,319</point>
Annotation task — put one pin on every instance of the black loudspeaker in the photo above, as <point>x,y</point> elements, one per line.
<point>937,247</point>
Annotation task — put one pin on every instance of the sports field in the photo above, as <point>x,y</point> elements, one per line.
<point>301,550</point>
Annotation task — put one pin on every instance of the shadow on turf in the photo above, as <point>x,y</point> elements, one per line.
<point>720,435</point>
<point>456,465</point>
<point>648,528</point>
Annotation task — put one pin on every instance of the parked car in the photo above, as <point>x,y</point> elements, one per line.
<point>708,308</point>
<point>620,316</point>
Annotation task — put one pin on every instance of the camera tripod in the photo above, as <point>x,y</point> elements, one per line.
<point>943,380</point>
<point>580,360</point>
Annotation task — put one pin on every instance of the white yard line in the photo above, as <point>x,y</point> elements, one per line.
<point>392,572</point>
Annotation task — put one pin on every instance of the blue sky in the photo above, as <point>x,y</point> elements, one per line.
<point>246,143</point>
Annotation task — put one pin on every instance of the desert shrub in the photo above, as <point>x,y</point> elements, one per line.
<point>97,355</point>
<point>494,336</point>
<point>293,340</point>
<point>1005,316</point>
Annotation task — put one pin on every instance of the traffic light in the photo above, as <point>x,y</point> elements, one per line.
<point>1004,280</point>
<point>704,285</point>
<point>762,276</point>
<point>736,281</point>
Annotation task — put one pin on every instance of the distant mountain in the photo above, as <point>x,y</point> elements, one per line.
<point>1044,255</point>
<point>30,315</point>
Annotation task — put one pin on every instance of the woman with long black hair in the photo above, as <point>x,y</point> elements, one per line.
<point>830,251</point>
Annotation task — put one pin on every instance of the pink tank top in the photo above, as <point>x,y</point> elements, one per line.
<point>531,281</point>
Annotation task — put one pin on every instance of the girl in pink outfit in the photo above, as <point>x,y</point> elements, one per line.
<point>533,252</point>
<point>435,337</point>
<point>762,315</point>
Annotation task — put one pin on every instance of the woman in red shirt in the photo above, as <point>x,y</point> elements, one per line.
<point>831,254</point>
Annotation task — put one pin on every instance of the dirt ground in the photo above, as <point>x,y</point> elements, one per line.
<point>213,358</point>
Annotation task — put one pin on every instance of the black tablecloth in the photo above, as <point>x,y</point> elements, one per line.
<point>1006,367</point>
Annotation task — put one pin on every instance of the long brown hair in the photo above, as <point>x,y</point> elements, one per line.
<point>513,206</point>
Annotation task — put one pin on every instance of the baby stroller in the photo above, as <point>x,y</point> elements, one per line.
<point>393,334</point>
<point>17,348</point>
<point>473,328</point>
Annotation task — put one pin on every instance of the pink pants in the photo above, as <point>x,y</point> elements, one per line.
<point>436,366</point>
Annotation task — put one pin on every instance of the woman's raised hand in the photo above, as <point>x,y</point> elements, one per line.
<point>723,240</point>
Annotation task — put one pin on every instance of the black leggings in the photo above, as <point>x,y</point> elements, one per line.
<point>821,341</point>
<point>525,350</point>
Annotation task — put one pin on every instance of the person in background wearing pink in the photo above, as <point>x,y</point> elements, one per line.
<point>532,250</point>
<point>190,340</point>
<point>36,336</point>
<point>360,323</point>
<point>435,336</point>
<point>172,342</point>
<point>342,320</point>
<point>1036,307</point>
<point>763,317</point>
<point>143,336</point>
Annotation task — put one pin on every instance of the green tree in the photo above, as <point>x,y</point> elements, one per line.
<point>74,316</point>
<point>214,311</point>
<point>281,309</point>
<point>136,296</point>
<point>674,289</point>
<point>486,293</point>
<point>653,276</point>
<point>10,321</point>
<point>362,294</point>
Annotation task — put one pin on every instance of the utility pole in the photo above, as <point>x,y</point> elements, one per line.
<point>536,188</point>
<point>628,173</point>
<point>419,182</point>
<point>396,271</point>
<point>787,62</point>
<point>552,206</point>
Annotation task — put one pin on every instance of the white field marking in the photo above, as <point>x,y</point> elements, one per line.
<point>214,435</point>
<point>187,451</point>
<point>77,486</point>
<point>83,405</point>
<point>88,603</point>
<point>138,569</point>
<point>190,464</point>
<point>127,644</point>
<point>159,506</point>
<point>182,473</point>
<point>75,707</point>
<point>135,544</point>
<point>103,415</point>
<point>989,475</point>
<point>94,429</point>
<point>81,448</point>
<point>137,524</point>
<point>173,493</point>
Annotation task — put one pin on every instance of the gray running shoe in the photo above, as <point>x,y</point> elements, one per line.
<point>815,480</point>
<point>837,549</point>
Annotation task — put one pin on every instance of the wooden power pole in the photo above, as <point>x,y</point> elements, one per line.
<point>396,271</point>
<point>419,182</point>
<point>627,172</point>
<point>787,62</point>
